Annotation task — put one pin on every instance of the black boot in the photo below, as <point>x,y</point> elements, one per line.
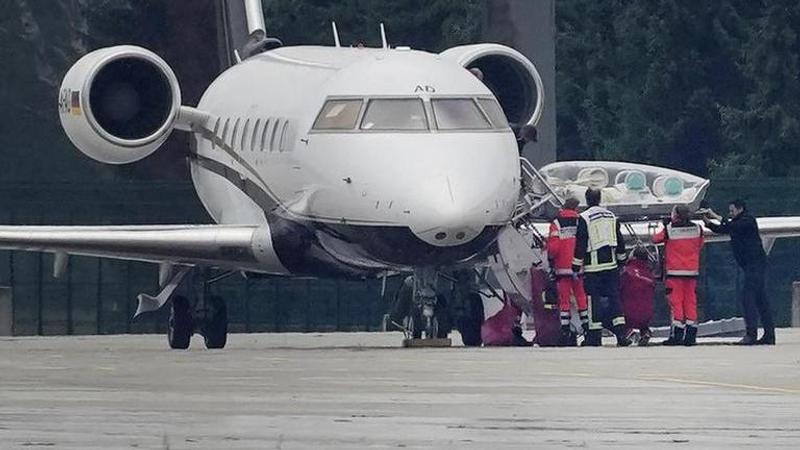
<point>676,338</point>
<point>690,338</point>
<point>565,340</point>
<point>768,338</point>
<point>644,337</point>
<point>749,338</point>
<point>594,338</point>
<point>622,339</point>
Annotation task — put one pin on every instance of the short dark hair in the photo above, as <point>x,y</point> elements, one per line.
<point>571,203</point>
<point>682,211</point>
<point>739,203</point>
<point>593,196</point>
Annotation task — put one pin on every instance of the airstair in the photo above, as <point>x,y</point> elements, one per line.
<point>536,194</point>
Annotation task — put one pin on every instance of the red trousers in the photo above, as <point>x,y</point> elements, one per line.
<point>567,286</point>
<point>682,296</point>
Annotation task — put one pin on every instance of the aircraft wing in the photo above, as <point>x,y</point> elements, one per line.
<point>223,246</point>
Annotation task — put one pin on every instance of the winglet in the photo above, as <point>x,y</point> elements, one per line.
<point>384,42</point>
<point>336,35</point>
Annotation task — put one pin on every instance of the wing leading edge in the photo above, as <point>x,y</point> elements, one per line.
<point>223,246</point>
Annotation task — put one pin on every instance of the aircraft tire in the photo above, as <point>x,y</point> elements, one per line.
<point>180,323</point>
<point>470,323</point>
<point>215,331</point>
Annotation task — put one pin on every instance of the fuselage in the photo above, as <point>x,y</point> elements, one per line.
<point>378,158</point>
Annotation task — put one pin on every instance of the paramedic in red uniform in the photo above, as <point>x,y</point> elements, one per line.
<point>683,240</point>
<point>560,251</point>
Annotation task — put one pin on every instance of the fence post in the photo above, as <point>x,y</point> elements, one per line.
<point>796,304</point>
<point>6,312</point>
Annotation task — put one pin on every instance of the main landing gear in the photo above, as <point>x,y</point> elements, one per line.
<point>199,312</point>
<point>207,315</point>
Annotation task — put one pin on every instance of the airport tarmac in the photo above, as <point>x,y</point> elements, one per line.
<point>361,390</point>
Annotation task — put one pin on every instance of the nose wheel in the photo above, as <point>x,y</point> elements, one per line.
<point>425,323</point>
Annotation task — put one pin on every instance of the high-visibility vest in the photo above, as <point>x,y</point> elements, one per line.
<point>682,245</point>
<point>599,245</point>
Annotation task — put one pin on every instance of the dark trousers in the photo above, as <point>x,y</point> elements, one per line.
<point>605,309</point>
<point>754,298</point>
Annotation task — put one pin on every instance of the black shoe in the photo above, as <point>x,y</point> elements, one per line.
<point>644,338</point>
<point>767,339</point>
<point>748,339</point>
<point>622,339</point>
<point>690,338</point>
<point>676,338</point>
<point>594,338</point>
<point>566,338</point>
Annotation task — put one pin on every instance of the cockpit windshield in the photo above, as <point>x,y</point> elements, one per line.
<point>459,114</point>
<point>401,114</point>
<point>338,115</point>
<point>494,111</point>
<point>411,114</point>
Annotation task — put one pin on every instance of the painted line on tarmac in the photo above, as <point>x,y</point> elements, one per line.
<point>723,385</point>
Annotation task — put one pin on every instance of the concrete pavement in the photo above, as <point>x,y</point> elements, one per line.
<point>360,390</point>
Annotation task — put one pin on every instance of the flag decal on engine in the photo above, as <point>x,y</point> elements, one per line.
<point>75,103</point>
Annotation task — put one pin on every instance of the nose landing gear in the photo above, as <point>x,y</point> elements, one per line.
<point>420,312</point>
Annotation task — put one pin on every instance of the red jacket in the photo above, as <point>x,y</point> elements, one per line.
<point>561,241</point>
<point>637,291</point>
<point>682,243</point>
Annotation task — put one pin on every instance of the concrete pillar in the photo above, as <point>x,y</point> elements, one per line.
<point>6,312</point>
<point>530,27</point>
<point>796,304</point>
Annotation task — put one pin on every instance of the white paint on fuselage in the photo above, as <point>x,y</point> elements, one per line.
<point>431,182</point>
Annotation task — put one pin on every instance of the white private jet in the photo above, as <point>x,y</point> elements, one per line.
<point>325,162</point>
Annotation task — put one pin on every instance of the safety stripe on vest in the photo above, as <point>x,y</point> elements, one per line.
<point>592,268</point>
<point>683,273</point>
<point>567,232</point>
<point>679,233</point>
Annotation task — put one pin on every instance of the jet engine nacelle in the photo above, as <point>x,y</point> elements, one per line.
<point>511,76</point>
<point>119,104</point>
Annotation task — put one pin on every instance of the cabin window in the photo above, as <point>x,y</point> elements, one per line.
<point>494,112</point>
<point>338,115</point>
<point>459,114</point>
<point>397,114</point>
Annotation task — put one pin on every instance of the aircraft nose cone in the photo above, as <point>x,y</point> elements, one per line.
<point>444,211</point>
<point>446,225</point>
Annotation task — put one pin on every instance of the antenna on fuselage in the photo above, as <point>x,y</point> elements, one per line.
<point>336,35</point>
<point>383,37</point>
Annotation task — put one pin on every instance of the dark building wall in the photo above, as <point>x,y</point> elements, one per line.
<point>529,26</point>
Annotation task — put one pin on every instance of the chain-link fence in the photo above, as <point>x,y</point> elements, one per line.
<point>98,296</point>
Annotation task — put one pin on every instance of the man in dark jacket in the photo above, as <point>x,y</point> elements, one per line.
<point>750,256</point>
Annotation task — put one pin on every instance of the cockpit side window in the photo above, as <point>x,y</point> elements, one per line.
<point>338,115</point>
<point>494,111</point>
<point>398,114</point>
<point>459,114</point>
